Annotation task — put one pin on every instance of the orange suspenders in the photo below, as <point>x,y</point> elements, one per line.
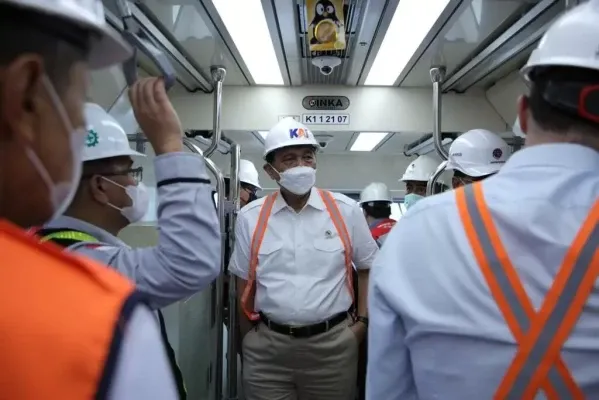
<point>249,294</point>
<point>537,364</point>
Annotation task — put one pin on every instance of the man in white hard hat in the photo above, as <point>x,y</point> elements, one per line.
<point>111,195</point>
<point>376,201</point>
<point>416,177</point>
<point>71,328</point>
<point>476,155</point>
<point>248,180</point>
<point>294,255</point>
<point>490,291</point>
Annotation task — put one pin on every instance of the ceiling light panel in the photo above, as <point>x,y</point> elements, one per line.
<point>246,23</point>
<point>367,141</point>
<point>412,21</point>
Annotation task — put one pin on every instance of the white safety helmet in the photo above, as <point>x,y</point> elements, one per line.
<point>105,137</point>
<point>248,173</point>
<point>288,132</point>
<point>571,41</point>
<point>376,191</point>
<point>477,153</point>
<point>421,169</point>
<point>107,48</point>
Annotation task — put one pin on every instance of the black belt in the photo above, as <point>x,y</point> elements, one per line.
<point>307,330</point>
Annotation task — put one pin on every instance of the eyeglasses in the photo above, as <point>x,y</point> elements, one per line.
<point>135,173</point>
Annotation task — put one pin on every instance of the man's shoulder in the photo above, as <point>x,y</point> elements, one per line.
<point>342,199</point>
<point>252,208</point>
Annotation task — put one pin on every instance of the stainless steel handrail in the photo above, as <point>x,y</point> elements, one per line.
<point>437,75</point>
<point>218,77</point>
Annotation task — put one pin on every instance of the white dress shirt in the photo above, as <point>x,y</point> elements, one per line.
<point>435,330</point>
<point>301,273</point>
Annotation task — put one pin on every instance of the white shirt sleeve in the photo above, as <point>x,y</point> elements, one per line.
<point>364,246</point>
<point>143,370</point>
<point>239,264</point>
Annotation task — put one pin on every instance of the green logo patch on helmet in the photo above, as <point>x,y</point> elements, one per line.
<point>92,138</point>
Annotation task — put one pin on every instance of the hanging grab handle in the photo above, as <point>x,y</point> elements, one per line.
<point>139,40</point>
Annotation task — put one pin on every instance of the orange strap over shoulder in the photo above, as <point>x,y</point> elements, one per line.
<point>61,320</point>
<point>249,294</point>
<point>537,364</point>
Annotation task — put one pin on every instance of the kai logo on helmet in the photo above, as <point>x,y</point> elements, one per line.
<point>299,133</point>
<point>92,138</point>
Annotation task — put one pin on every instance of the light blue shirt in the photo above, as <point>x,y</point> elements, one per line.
<point>435,331</point>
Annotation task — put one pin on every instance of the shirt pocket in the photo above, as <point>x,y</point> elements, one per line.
<point>269,256</point>
<point>328,256</point>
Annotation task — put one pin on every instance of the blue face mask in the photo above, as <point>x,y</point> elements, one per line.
<point>410,199</point>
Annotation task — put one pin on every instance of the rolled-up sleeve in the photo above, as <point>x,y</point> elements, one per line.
<point>239,263</point>
<point>186,258</point>
<point>364,246</point>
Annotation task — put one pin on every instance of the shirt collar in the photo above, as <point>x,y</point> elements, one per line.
<point>314,201</point>
<point>76,224</point>
<point>562,155</point>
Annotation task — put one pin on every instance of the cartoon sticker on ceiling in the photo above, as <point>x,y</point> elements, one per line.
<point>327,25</point>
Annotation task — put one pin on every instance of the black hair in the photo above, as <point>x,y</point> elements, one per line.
<point>460,174</point>
<point>377,209</point>
<point>551,118</point>
<point>60,43</point>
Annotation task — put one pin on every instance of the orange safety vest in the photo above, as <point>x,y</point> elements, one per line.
<point>61,321</point>
<point>249,294</point>
<point>537,364</point>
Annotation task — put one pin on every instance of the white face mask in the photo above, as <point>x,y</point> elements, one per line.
<point>140,201</point>
<point>61,193</point>
<point>298,180</point>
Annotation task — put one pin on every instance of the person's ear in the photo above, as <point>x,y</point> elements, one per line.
<point>97,189</point>
<point>22,97</point>
<point>523,111</point>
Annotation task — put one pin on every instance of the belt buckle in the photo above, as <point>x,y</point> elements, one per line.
<point>291,331</point>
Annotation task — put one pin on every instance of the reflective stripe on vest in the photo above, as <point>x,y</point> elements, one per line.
<point>66,238</point>
<point>69,235</point>
<point>56,343</point>
<point>537,364</point>
<point>249,294</point>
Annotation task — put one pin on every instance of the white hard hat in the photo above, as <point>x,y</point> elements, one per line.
<point>571,41</point>
<point>478,152</point>
<point>288,132</point>
<point>421,169</point>
<point>376,191</point>
<point>248,173</point>
<point>105,137</point>
<point>107,47</point>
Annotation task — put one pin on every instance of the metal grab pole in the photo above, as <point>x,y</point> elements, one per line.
<point>571,4</point>
<point>218,77</point>
<point>430,185</point>
<point>217,286</point>
<point>437,75</point>
<point>234,191</point>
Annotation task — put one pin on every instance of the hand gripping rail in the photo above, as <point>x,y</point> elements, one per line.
<point>437,76</point>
